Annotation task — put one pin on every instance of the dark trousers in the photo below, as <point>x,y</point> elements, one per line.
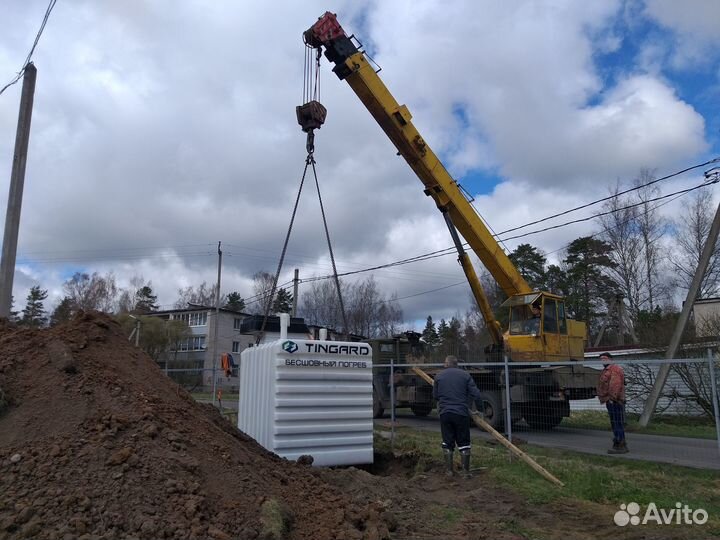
<point>455,429</point>
<point>617,420</point>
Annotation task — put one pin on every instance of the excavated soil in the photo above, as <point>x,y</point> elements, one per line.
<point>97,443</point>
<point>424,504</point>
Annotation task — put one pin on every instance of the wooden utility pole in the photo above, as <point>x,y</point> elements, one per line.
<point>296,281</point>
<point>17,182</point>
<point>216,325</point>
<point>682,321</point>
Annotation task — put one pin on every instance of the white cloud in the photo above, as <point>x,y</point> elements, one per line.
<point>160,125</point>
<point>695,25</point>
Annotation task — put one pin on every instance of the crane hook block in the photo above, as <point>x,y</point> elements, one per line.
<point>311,115</point>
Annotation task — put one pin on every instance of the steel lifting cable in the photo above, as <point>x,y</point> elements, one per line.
<point>311,116</point>
<point>330,249</point>
<point>268,302</point>
<point>309,161</point>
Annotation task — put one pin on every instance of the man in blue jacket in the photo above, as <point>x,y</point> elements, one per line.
<point>454,389</point>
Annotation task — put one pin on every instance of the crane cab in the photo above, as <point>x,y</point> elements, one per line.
<point>539,329</point>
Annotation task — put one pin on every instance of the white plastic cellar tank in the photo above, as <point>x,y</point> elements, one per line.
<point>309,397</point>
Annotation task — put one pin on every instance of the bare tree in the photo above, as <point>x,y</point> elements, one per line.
<point>320,305</point>
<point>390,318</point>
<point>362,306</point>
<point>651,227</point>
<point>621,232</point>
<point>692,233</point>
<point>262,287</point>
<point>369,313</point>
<point>91,292</point>
<point>127,299</point>
<point>203,295</point>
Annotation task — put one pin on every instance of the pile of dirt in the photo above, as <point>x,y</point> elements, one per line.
<point>96,443</point>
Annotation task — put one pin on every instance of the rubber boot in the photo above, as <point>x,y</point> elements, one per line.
<point>619,448</point>
<point>448,455</point>
<point>465,460</point>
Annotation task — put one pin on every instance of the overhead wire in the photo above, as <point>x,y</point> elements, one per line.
<point>451,250</point>
<point>595,216</point>
<point>617,225</point>
<point>604,199</point>
<point>49,9</point>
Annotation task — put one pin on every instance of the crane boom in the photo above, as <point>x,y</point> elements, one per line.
<point>546,335</point>
<point>352,66</point>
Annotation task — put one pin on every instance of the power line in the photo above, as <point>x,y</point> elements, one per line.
<point>49,9</point>
<point>120,257</point>
<point>682,192</point>
<point>608,229</point>
<point>565,212</point>
<point>451,250</point>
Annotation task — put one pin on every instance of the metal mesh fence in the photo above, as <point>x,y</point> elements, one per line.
<point>556,405</point>
<point>549,404</point>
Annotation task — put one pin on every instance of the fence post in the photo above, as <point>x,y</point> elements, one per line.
<point>392,394</point>
<point>508,414</point>
<point>714,394</point>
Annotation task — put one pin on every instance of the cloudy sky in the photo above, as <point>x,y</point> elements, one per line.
<point>161,128</point>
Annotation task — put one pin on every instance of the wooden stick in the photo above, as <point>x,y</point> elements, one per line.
<point>481,423</point>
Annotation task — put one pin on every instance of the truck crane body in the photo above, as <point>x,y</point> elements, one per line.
<point>550,336</point>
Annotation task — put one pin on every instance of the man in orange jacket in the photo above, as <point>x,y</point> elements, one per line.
<point>611,392</point>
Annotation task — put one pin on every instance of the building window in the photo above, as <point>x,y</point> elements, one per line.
<point>236,346</point>
<point>193,343</point>
<point>236,323</point>
<point>196,318</point>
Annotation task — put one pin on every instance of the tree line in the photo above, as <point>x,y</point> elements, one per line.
<point>637,255</point>
<point>637,258</point>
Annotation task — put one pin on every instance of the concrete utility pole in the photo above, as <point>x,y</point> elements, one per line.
<point>682,321</point>
<point>17,182</point>
<point>216,325</point>
<point>296,280</point>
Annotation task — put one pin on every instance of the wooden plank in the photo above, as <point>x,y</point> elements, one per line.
<point>481,423</point>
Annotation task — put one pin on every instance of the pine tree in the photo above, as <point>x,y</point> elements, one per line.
<point>235,302</point>
<point>34,313</point>
<point>530,262</point>
<point>62,312</point>
<point>586,261</point>
<point>145,300</point>
<point>13,316</point>
<point>442,331</point>
<point>283,302</point>
<point>429,334</point>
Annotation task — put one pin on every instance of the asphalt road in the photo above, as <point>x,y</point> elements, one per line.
<point>699,453</point>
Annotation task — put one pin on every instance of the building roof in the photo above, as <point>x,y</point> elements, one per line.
<point>253,323</point>
<point>195,308</point>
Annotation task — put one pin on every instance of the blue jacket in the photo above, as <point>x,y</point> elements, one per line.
<point>454,389</point>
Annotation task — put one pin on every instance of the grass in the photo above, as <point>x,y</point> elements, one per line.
<point>696,427</point>
<point>598,479</point>
<point>672,425</point>
<point>447,515</point>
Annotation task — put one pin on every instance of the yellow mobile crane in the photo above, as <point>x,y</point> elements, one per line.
<point>539,330</point>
